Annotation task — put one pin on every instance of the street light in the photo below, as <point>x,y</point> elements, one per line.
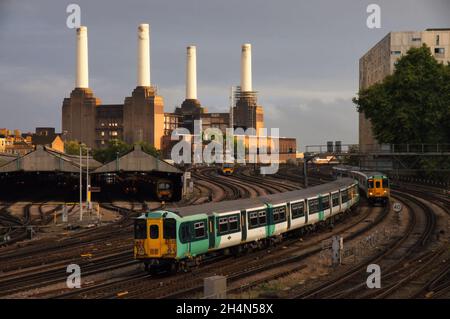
<point>88,200</point>
<point>81,184</point>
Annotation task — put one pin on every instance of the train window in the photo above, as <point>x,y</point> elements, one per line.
<point>377,184</point>
<point>325,202</point>
<point>385,183</point>
<point>154,231</point>
<point>164,186</point>
<point>344,196</point>
<point>279,214</point>
<point>223,225</point>
<point>282,211</point>
<point>185,235</point>
<point>370,183</point>
<point>262,218</point>
<point>199,229</point>
<point>276,215</point>
<point>313,206</point>
<point>234,224</point>
<point>298,210</point>
<point>335,199</point>
<point>169,228</point>
<point>140,229</point>
<point>253,217</point>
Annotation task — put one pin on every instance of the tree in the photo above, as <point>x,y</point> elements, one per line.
<point>413,104</point>
<point>150,149</point>
<point>73,148</point>
<point>115,148</point>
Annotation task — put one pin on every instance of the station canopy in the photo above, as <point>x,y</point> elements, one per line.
<point>44,159</point>
<point>137,161</point>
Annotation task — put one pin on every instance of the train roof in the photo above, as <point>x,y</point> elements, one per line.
<point>371,173</point>
<point>274,199</point>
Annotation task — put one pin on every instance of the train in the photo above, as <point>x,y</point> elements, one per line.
<point>164,189</point>
<point>158,188</point>
<point>374,185</point>
<point>178,238</point>
<point>227,169</point>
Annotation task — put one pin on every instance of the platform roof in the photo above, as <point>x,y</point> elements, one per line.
<point>42,159</point>
<point>138,161</point>
<point>5,158</point>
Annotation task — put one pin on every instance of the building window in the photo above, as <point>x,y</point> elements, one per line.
<point>416,39</point>
<point>396,52</point>
<point>114,133</point>
<point>439,51</point>
<point>103,134</point>
<point>437,39</point>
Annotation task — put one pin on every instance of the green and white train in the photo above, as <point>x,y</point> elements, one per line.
<point>184,236</point>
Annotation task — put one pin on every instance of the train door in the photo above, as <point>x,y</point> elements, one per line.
<point>306,211</point>
<point>154,237</point>
<point>321,212</point>
<point>288,215</point>
<point>244,225</point>
<point>211,231</point>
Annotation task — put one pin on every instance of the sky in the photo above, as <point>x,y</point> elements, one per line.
<point>305,55</point>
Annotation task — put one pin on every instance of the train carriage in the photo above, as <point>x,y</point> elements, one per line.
<point>374,185</point>
<point>183,236</point>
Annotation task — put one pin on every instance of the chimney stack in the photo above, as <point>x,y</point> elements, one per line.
<point>143,78</point>
<point>246,68</point>
<point>191,73</point>
<point>82,74</point>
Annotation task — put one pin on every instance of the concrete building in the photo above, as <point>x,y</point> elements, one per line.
<point>2,143</point>
<point>380,60</point>
<point>52,141</point>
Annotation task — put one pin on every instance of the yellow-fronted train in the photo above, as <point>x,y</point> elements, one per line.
<point>179,238</point>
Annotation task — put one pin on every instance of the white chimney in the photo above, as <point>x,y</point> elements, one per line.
<point>191,73</point>
<point>246,68</point>
<point>143,74</point>
<point>82,76</point>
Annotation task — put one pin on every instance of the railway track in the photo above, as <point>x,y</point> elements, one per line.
<point>402,251</point>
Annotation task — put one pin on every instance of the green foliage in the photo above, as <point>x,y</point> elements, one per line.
<point>115,148</point>
<point>150,149</point>
<point>73,148</point>
<point>118,148</point>
<point>413,104</point>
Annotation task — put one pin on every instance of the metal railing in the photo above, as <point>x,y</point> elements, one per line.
<point>431,149</point>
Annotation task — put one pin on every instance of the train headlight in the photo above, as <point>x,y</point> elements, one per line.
<point>370,193</point>
<point>385,191</point>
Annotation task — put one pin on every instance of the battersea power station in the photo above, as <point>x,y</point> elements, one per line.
<point>141,117</point>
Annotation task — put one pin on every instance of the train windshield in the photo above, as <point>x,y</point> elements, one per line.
<point>385,183</point>
<point>169,228</point>
<point>140,229</point>
<point>377,184</point>
<point>227,165</point>
<point>154,231</point>
<point>370,183</point>
<point>163,186</point>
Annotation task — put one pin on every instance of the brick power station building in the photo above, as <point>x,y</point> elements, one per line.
<point>142,118</point>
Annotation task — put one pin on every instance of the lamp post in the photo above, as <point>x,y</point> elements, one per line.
<point>81,184</point>
<point>88,200</point>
